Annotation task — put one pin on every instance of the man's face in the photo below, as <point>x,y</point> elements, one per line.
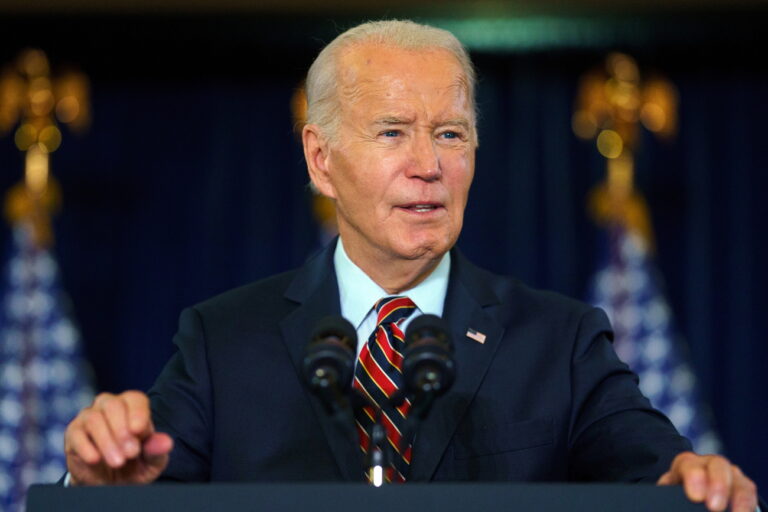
<point>403,160</point>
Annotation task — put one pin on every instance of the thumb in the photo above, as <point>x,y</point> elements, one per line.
<point>667,479</point>
<point>156,448</point>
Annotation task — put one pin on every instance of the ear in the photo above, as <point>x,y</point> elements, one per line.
<point>317,155</point>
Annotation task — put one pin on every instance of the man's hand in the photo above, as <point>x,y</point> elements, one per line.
<point>712,479</point>
<point>114,442</point>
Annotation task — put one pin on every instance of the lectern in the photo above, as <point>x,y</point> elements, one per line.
<point>335,497</point>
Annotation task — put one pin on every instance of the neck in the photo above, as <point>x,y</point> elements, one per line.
<point>393,274</point>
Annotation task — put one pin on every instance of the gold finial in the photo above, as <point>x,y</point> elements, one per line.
<point>616,201</point>
<point>31,98</point>
<point>611,104</point>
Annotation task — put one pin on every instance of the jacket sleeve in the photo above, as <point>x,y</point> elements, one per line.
<point>181,402</point>
<point>615,433</point>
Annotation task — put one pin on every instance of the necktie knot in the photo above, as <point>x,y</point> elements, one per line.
<point>393,309</point>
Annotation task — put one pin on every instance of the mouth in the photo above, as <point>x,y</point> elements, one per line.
<point>421,208</point>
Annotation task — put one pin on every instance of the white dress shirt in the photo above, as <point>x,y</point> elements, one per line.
<point>358,294</point>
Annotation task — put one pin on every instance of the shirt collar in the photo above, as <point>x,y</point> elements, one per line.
<point>358,292</point>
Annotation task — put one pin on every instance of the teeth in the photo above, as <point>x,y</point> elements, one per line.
<point>423,207</point>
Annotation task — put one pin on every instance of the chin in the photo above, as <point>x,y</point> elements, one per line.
<point>427,247</point>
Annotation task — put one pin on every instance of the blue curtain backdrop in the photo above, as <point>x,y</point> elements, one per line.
<point>191,182</point>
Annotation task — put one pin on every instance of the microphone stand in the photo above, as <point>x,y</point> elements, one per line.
<point>379,455</point>
<point>341,407</point>
<point>336,403</point>
<point>422,400</point>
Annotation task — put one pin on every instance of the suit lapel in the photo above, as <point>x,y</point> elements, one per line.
<point>316,290</point>
<point>468,304</point>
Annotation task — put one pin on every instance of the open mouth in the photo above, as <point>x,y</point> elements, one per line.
<point>421,208</point>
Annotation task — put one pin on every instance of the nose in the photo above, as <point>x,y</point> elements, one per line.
<point>425,161</point>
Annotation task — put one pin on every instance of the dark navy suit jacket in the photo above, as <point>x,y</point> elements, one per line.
<point>543,399</point>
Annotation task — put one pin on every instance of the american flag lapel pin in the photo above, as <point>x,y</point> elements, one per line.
<point>475,335</point>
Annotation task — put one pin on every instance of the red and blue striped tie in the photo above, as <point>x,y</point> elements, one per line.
<point>378,376</point>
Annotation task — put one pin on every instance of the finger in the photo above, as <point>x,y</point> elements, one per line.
<point>98,431</point>
<point>157,450</point>
<point>744,493</point>
<point>115,411</point>
<point>669,478</point>
<point>690,469</point>
<point>139,418</point>
<point>100,399</point>
<point>719,482</point>
<point>77,443</point>
<point>158,443</point>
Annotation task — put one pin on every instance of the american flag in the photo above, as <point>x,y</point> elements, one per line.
<point>43,378</point>
<point>629,288</point>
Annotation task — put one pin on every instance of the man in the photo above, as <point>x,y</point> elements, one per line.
<point>539,393</point>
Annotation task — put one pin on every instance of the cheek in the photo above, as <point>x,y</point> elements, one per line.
<point>391,162</point>
<point>378,176</point>
<point>350,177</point>
<point>458,171</point>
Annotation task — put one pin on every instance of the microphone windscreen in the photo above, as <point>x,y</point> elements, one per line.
<point>336,327</point>
<point>428,327</point>
<point>428,365</point>
<point>330,353</point>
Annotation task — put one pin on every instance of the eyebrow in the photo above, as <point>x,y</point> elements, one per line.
<point>464,123</point>
<point>394,120</point>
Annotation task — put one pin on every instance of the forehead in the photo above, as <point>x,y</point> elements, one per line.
<point>385,74</point>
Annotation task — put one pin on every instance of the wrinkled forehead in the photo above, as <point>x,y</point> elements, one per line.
<point>369,72</point>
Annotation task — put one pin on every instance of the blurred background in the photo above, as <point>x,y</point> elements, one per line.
<point>186,178</point>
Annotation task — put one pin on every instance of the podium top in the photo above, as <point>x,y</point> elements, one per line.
<point>288,497</point>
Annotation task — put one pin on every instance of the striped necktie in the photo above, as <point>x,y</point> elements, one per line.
<point>378,376</point>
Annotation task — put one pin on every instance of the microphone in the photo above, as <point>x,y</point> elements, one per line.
<point>428,365</point>
<point>329,361</point>
<point>428,369</point>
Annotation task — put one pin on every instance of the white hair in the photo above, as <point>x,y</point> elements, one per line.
<point>322,78</point>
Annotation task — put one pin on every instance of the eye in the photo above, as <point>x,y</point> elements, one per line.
<point>391,133</point>
<point>451,135</point>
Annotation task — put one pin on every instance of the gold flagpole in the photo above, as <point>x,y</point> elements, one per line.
<point>611,105</point>
<point>31,98</point>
